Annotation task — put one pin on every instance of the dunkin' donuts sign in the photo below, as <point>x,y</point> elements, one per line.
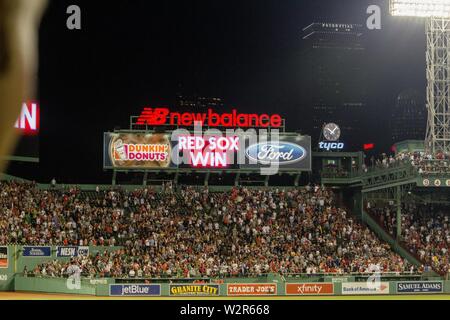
<point>137,150</point>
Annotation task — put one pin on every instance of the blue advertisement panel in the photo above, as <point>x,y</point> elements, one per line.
<point>286,152</point>
<point>72,251</point>
<point>37,251</point>
<point>135,290</point>
<point>420,287</point>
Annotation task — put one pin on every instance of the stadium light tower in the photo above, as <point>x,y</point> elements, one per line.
<point>437,14</point>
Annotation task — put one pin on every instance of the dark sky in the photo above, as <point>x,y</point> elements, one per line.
<point>135,53</point>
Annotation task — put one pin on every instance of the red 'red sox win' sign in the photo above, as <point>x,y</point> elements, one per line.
<point>163,116</point>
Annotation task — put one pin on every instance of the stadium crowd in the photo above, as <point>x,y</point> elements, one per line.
<point>194,232</point>
<point>425,232</point>
<point>425,163</point>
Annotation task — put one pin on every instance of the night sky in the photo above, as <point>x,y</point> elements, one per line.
<point>136,53</point>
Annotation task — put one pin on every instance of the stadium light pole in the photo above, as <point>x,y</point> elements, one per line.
<point>437,15</point>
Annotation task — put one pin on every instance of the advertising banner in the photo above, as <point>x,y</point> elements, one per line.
<point>143,290</point>
<point>137,151</point>
<point>420,287</point>
<point>72,251</point>
<point>194,289</point>
<point>435,182</point>
<point>27,126</point>
<point>37,251</point>
<point>251,289</point>
<point>301,289</point>
<point>3,257</point>
<point>361,288</point>
<point>211,151</point>
<point>288,152</point>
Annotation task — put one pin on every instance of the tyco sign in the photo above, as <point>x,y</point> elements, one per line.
<point>194,290</point>
<point>331,146</point>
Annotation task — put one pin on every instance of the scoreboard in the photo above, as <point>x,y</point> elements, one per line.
<point>175,150</point>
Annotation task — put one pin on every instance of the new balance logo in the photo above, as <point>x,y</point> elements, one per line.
<point>155,117</point>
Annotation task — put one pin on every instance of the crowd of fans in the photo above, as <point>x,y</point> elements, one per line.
<point>425,232</point>
<point>425,163</point>
<point>194,232</point>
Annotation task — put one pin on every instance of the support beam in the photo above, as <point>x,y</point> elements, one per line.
<point>266,181</point>
<point>144,179</point>
<point>236,179</point>
<point>207,178</point>
<point>438,89</point>
<point>114,178</point>
<point>399,211</point>
<point>297,180</point>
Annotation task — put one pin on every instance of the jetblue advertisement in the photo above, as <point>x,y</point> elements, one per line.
<point>135,290</point>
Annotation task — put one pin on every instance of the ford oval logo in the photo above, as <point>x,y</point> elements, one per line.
<point>281,152</point>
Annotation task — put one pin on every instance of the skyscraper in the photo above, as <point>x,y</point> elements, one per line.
<point>409,117</point>
<point>198,102</point>
<point>333,83</point>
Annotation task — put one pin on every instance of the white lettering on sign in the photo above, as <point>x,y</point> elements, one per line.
<point>29,117</point>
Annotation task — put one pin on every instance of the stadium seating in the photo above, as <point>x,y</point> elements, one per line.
<point>192,232</point>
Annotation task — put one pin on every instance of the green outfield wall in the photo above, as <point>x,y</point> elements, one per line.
<point>15,258</point>
<point>238,288</point>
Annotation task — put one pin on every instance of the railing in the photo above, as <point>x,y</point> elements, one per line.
<point>321,277</point>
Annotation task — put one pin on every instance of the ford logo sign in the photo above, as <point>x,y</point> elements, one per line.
<point>281,152</point>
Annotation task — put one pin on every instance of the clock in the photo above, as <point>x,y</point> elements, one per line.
<point>331,132</point>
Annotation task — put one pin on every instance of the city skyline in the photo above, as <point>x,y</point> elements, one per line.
<point>136,55</point>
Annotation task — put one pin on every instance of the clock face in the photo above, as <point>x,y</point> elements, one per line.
<point>332,132</point>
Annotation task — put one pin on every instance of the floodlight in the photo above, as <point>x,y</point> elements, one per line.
<point>420,8</point>
<point>437,16</point>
